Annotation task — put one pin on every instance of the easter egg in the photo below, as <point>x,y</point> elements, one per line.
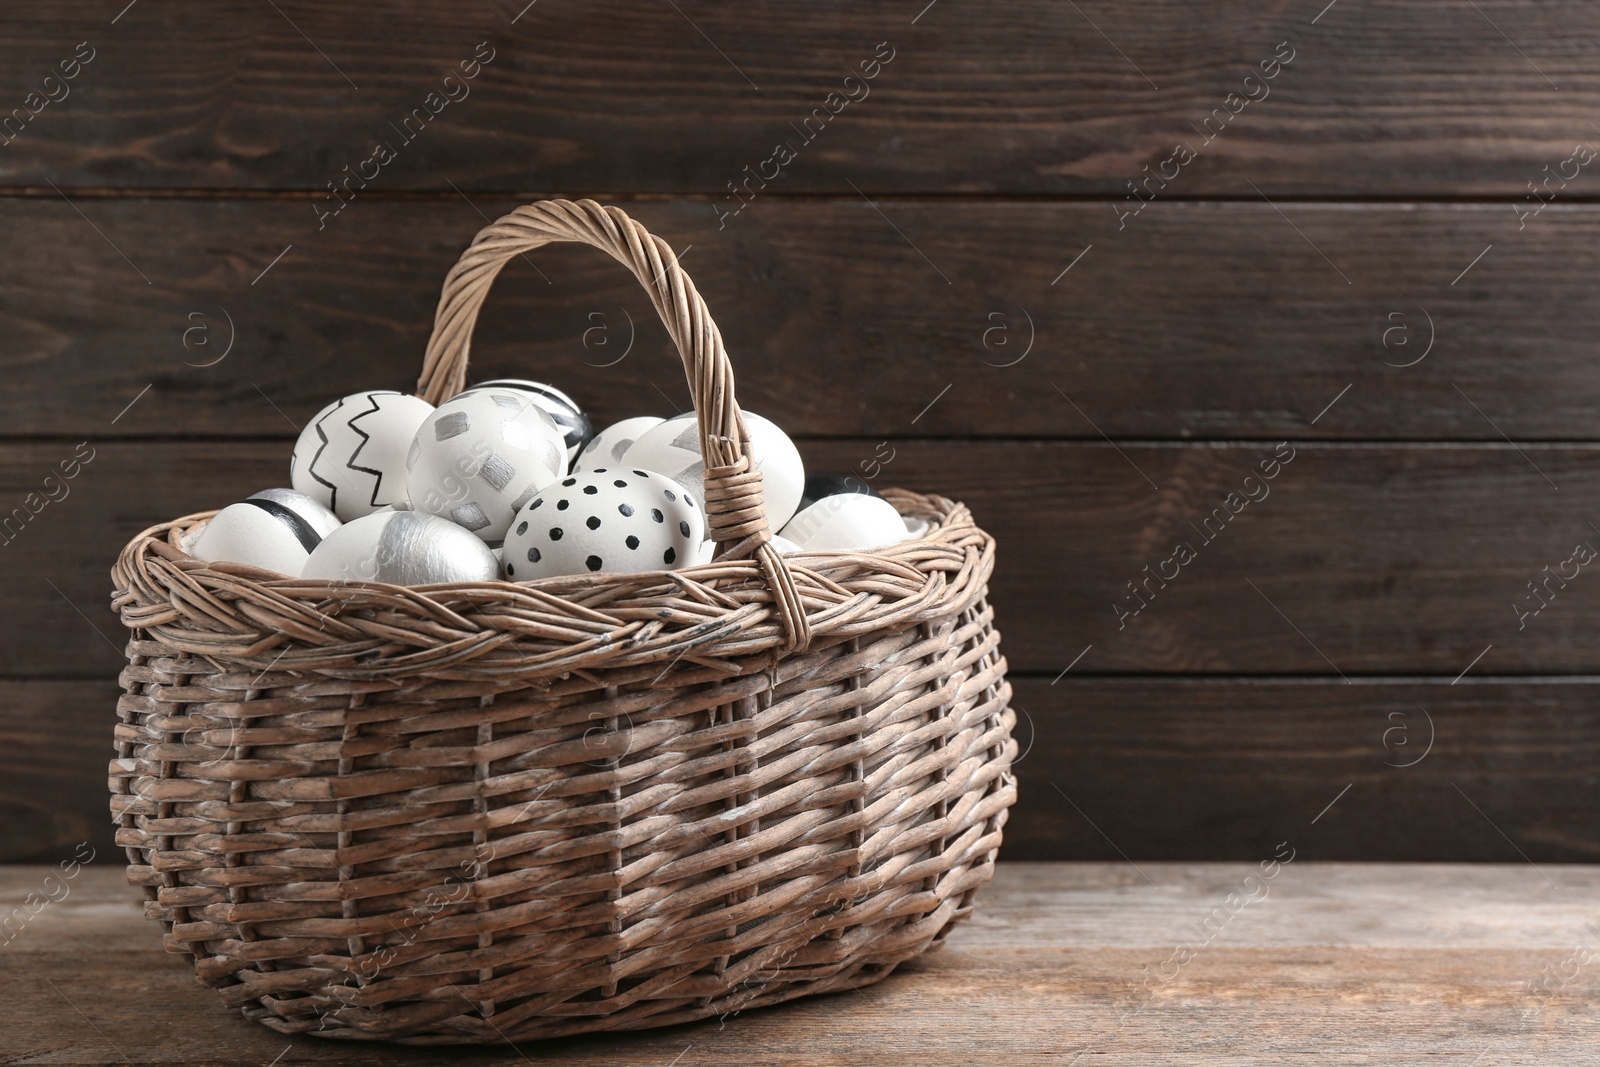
<point>319,518</point>
<point>617,519</point>
<point>401,548</point>
<point>846,522</point>
<point>826,484</point>
<point>784,546</point>
<point>351,457</point>
<point>607,447</point>
<point>480,456</point>
<point>576,429</point>
<point>673,449</point>
<point>916,527</point>
<point>262,533</point>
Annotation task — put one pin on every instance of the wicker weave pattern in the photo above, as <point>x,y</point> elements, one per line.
<point>497,811</point>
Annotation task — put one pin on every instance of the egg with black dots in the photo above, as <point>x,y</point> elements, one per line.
<point>621,521</point>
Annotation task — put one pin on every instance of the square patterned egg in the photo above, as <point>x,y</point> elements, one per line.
<point>480,456</point>
<point>576,429</point>
<point>612,519</point>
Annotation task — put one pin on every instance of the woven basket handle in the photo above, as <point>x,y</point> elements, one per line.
<point>735,512</point>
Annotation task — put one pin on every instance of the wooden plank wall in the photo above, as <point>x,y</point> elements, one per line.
<point>1261,336</point>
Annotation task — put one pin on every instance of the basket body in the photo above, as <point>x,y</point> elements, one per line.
<point>494,810</point>
<point>424,818</point>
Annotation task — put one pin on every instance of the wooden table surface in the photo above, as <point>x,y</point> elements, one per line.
<point>1064,963</point>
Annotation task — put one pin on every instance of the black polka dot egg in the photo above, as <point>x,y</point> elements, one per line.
<point>613,519</point>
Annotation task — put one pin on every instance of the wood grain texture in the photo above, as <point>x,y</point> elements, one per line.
<point>53,796</point>
<point>1025,97</point>
<point>1364,559</point>
<point>1210,320</point>
<point>1492,769</point>
<point>1341,964</point>
<point>975,206</point>
<point>1151,768</point>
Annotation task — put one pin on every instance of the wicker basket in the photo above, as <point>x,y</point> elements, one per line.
<point>491,811</point>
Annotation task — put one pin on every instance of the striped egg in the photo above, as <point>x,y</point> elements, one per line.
<point>262,533</point>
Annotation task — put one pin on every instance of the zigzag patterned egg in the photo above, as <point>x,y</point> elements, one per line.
<point>351,457</point>
<point>611,519</point>
<point>576,429</point>
<point>482,455</point>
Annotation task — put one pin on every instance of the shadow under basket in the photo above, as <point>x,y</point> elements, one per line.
<point>495,811</point>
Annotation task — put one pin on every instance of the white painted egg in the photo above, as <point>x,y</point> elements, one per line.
<point>846,522</point>
<point>316,516</point>
<point>258,532</point>
<point>351,457</point>
<point>616,519</point>
<point>917,527</point>
<point>402,548</point>
<point>825,483</point>
<point>576,429</point>
<point>673,449</point>
<point>607,447</point>
<point>784,546</point>
<point>480,456</point>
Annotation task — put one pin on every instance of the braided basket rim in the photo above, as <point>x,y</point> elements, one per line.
<point>243,617</point>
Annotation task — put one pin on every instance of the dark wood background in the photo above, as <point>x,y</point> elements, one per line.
<point>905,281</point>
